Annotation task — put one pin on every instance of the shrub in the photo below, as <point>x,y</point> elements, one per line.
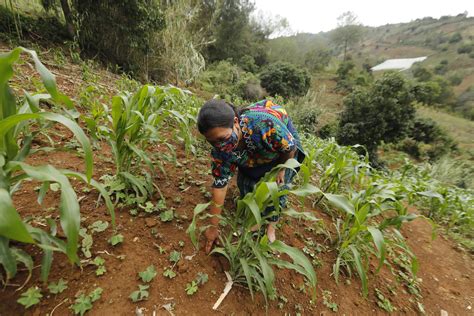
<point>383,112</point>
<point>455,38</point>
<point>465,49</point>
<point>455,80</point>
<point>329,130</point>
<point>230,81</point>
<point>421,73</point>
<point>426,92</point>
<point>285,79</point>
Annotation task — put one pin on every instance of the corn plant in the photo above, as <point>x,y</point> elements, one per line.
<point>251,258</point>
<point>17,131</point>
<point>136,123</point>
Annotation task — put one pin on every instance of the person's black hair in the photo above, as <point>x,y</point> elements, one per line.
<point>216,113</point>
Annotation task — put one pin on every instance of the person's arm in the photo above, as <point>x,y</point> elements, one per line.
<point>212,232</point>
<point>284,156</point>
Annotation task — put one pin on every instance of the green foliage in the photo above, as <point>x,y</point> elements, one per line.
<point>149,274</point>
<point>84,303</point>
<point>465,48</point>
<point>175,256</point>
<point>230,81</point>
<point>166,216</point>
<point>19,125</point>
<point>122,31</point>
<point>317,59</point>
<point>421,73</point>
<point>251,258</point>
<point>455,38</point>
<point>169,273</point>
<point>58,287</point>
<point>31,297</point>
<point>116,239</point>
<point>234,34</point>
<point>383,112</point>
<point>345,75</point>
<point>141,294</point>
<point>191,288</point>
<point>20,26</point>
<point>348,33</point>
<point>99,262</point>
<point>285,79</point>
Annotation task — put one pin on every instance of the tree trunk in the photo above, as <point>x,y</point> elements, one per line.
<point>68,18</point>
<point>345,49</point>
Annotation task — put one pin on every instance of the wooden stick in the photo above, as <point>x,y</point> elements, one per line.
<point>227,288</point>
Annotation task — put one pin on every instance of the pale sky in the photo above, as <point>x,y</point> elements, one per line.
<point>313,16</point>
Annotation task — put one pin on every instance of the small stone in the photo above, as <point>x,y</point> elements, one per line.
<point>443,313</point>
<point>182,266</point>
<point>62,264</point>
<point>150,222</point>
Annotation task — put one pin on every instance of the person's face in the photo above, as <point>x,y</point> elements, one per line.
<point>224,138</point>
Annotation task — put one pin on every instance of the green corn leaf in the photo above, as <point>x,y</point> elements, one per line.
<point>191,231</point>
<point>360,270</point>
<point>11,121</point>
<point>298,259</point>
<point>300,215</point>
<point>21,256</point>
<point>248,272</point>
<point>99,187</point>
<point>379,241</point>
<point>69,206</point>
<point>252,205</point>
<point>267,272</point>
<point>306,190</point>
<point>11,225</point>
<point>340,202</point>
<point>7,258</point>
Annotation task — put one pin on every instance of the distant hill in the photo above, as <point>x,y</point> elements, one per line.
<point>439,39</point>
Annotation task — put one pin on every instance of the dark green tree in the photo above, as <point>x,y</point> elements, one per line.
<point>383,112</point>
<point>285,79</point>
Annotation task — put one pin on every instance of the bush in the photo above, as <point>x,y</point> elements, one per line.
<point>285,79</point>
<point>421,73</point>
<point>426,140</point>
<point>305,112</point>
<point>329,130</point>
<point>455,38</point>
<point>47,28</point>
<point>465,49</point>
<point>455,80</point>
<point>230,81</point>
<point>426,92</point>
<point>383,112</point>
<point>121,31</point>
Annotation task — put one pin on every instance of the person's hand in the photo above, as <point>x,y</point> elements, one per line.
<point>212,234</point>
<point>280,178</point>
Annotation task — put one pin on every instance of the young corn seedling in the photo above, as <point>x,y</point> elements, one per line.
<point>251,259</point>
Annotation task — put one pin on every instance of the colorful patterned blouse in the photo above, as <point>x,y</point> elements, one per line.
<point>267,131</point>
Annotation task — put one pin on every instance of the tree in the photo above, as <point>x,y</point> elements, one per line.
<point>285,79</point>
<point>383,112</point>
<point>348,33</point>
<point>317,59</point>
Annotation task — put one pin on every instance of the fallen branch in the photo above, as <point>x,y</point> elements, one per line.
<point>227,288</point>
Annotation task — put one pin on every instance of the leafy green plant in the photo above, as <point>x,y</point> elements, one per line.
<point>58,287</point>
<point>169,273</point>
<point>175,256</point>
<point>31,297</point>
<point>148,275</point>
<point>17,131</point>
<point>167,216</point>
<point>191,288</point>
<point>384,302</point>
<point>116,239</point>
<point>84,303</point>
<point>99,262</point>
<point>251,258</point>
<point>141,294</point>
